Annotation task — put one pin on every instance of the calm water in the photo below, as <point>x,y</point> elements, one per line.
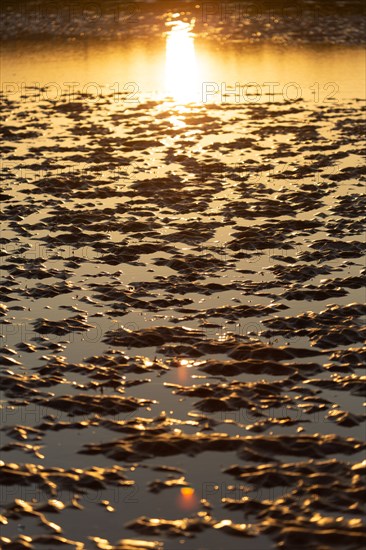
<point>238,73</point>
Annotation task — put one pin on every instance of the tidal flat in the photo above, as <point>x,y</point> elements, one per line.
<point>183,300</point>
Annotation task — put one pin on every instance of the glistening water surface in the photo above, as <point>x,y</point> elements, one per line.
<point>316,73</point>
<point>183,314</point>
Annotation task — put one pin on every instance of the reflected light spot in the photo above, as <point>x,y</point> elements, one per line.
<point>187,491</point>
<point>182,370</point>
<point>187,499</point>
<point>181,68</point>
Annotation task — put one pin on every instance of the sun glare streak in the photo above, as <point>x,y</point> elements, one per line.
<point>181,67</point>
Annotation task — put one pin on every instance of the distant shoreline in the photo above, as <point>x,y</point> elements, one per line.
<point>280,22</point>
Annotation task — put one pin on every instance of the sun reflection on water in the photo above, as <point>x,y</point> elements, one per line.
<point>181,67</point>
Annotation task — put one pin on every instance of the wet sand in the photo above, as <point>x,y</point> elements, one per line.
<point>183,321</point>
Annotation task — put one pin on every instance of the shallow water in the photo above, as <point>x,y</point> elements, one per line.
<point>187,280</point>
<point>313,72</point>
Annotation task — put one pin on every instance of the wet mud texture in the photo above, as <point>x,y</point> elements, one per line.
<point>183,325</point>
